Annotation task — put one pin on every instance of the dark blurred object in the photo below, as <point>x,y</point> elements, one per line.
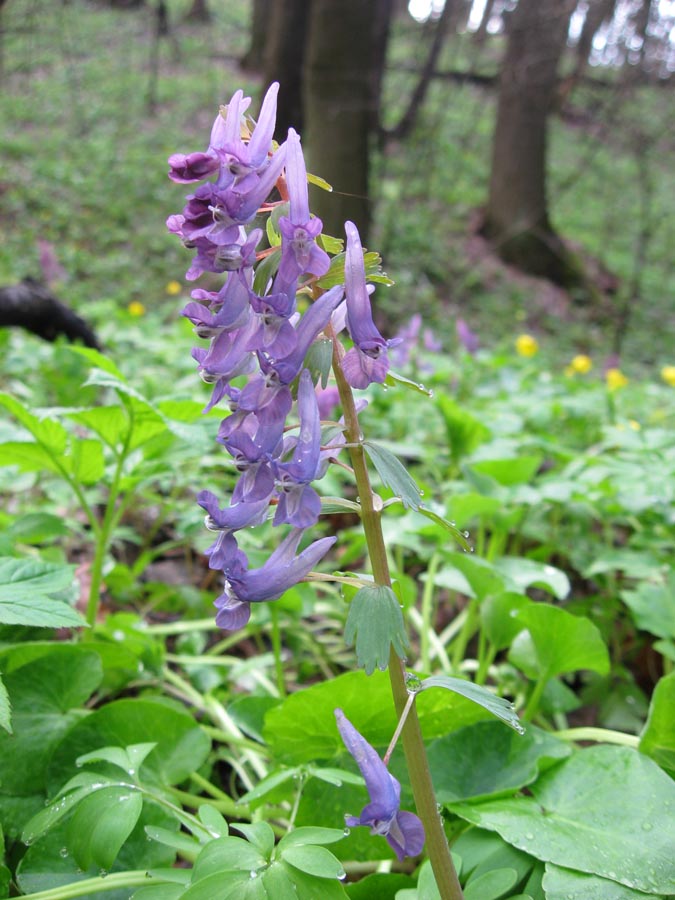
<point>32,306</point>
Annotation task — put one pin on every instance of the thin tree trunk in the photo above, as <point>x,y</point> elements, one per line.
<point>198,12</point>
<point>254,58</point>
<point>340,107</point>
<point>517,218</point>
<point>409,117</point>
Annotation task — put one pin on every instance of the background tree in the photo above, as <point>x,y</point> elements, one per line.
<point>284,60</point>
<point>517,218</point>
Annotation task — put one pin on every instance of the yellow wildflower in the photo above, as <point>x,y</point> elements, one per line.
<point>526,345</point>
<point>173,288</point>
<point>136,309</point>
<point>668,375</point>
<point>581,364</point>
<point>634,424</point>
<point>615,379</point>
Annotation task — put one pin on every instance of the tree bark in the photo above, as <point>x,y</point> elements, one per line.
<point>517,218</point>
<point>284,57</point>
<point>198,12</point>
<point>254,58</point>
<point>341,83</point>
<point>482,30</point>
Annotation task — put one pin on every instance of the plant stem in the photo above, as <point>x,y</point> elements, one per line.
<point>600,735</point>
<point>427,610</point>
<point>92,886</point>
<point>413,744</point>
<point>535,697</point>
<point>276,649</point>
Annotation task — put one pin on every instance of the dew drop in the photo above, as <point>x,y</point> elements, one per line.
<point>341,875</point>
<point>253,874</point>
<point>63,852</point>
<point>529,836</point>
<point>421,493</point>
<point>132,771</point>
<point>102,873</point>
<point>346,831</point>
<point>28,840</point>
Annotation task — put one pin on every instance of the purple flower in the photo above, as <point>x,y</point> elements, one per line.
<point>185,169</point>
<point>225,521</point>
<point>367,361</point>
<point>299,252</point>
<point>403,830</point>
<point>467,337</point>
<point>299,504</point>
<point>282,570</point>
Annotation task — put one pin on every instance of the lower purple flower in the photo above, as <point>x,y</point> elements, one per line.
<point>282,570</point>
<point>403,830</point>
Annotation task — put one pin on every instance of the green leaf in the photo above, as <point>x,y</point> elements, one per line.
<point>379,886</point>
<point>653,606</point>
<point>565,884</point>
<point>498,616</point>
<point>658,738</point>
<point>223,885</point>
<point>507,472</point>
<point>25,586</point>
<point>129,759</point>
<point>213,820</point>
<point>302,729</point>
<point>499,707</point>
<point>464,431</point>
<point>483,851</point>
<point>269,783</point>
<point>5,708</point>
<point>85,461</point>
<point>311,835</point>
<point>47,432</point>
<point>181,745</point>
<point>28,456</point>
<point>486,760</point>
<point>225,855</point>
<point>617,799</point>
<point>260,835</point>
<point>313,860</point>
<point>491,885</point>
<point>159,892</point>
<point>37,528</point>
<point>394,475</point>
<point>375,621</point>
<point>319,359</point>
<point>525,573</point>
<point>110,423</point>
<point>562,642</point>
<point>393,379</point>
<point>458,535</point>
<point>101,824</point>
<point>96,358</point>
<point>43,693</point>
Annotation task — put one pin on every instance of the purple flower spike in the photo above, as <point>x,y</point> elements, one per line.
<point>403,830</point>
<point>282,570</point>
<point>299,504</point>
<point>299,252</point>
<point>367,361</point>
<point>185,169</point>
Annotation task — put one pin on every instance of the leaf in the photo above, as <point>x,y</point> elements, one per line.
<point>110,423</point>
<point>375,621</point>
<point>499,707</point>
<point>458,535</point>
<point>393,379</point>
<point>562,642</point>
<point>43,693</point>
<point>101,824</point>
<point>658,737</point>
<point>313,860</point>
<point>28,456</point>
<point>508,472</point>
<point>25,586</point>
<point>225,855</point>
<point>181,745</point>
<point>652,605</point>
<point>394,475</point>
<point>85,461</point>
<point>464,431</point>
<point>49,433</point>
<point>525,573</point>
<point>5,708</point>
<point>302,729</point>
<point>498,616</point>
<point>565,884</point>
<point>616,799</point>
<point>379,886</point>
<point>486,760</point>
<point>491,885</point>
<point>260,835</point>
<point>310,835</point>
<point>96,358</point>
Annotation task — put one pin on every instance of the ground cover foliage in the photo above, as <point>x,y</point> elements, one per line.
<point>153,756</point>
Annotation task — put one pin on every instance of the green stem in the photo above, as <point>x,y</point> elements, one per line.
<point>427,610</point>
<point>465,635</point>
<point>535,697</point>
<point>413,744</point>
<point>600,735</point>
<point>92,886</point>
<point>276,649</point>
<point>105,532</point>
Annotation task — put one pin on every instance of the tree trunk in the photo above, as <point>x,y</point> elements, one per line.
<point>517,219</point>
<point>198,12</point>
<point>482,30</point>
<point>284,59</point>
<point>254,58</point>
<point>341,81</point>
<point>599,11</point>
